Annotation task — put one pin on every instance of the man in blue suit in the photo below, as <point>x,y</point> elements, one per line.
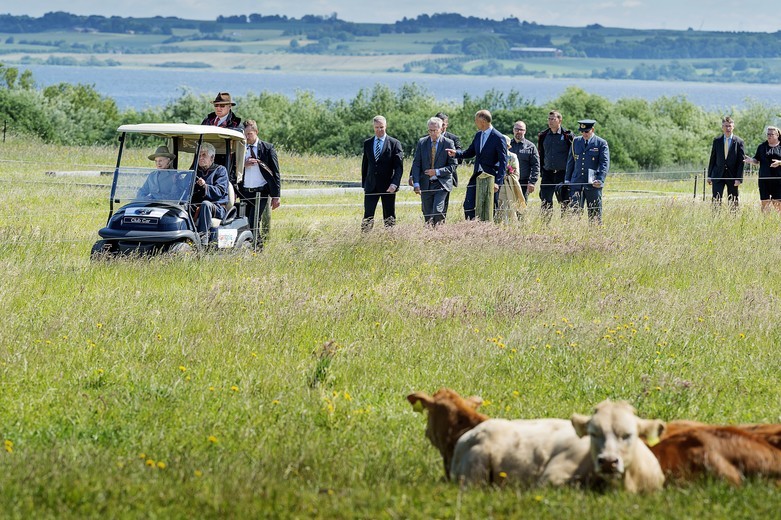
<point>381,169</point>
<point>432,172</point>
<point>489,149</point>
<point>587,167</point>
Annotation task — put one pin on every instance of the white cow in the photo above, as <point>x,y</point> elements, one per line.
<point>618,452</point>
<point>551,451</point>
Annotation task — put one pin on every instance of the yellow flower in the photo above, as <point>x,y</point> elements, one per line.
<point>235,388</point>
<point>275,401</point>
<point>161,464</point>
<point>183,368</point>
<point>347,396</point>
<point>502,474</point>
<point>142,456</point>
<point>516,393</point>
<point>99,325</point>
<point>198,473</point>
<point>150,462</point>
<point>212,439</point>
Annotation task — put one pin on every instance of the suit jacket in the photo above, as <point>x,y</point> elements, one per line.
<point>443,163</point>
<point>378,174</point>
<point>268,155</point>
<point>594,155</point>
<point>492,158</point>
<point>568,138</point>
<point>457,143</point>
<point>731,166</point>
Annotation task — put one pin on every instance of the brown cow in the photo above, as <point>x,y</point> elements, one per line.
<point>449,417</point>
<point>690,449</point>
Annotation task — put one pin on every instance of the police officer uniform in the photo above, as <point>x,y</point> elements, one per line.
<point>587,167</point>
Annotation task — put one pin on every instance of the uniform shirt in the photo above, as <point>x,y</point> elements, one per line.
<point>528,160</point>
<point>556,151</point>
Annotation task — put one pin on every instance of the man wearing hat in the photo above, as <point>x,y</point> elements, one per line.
<point>587,166</point>
<point>224,117</point>
<point>165,183</point>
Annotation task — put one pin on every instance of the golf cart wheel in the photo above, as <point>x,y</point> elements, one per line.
<point>181,248</point>
<point>101,249</point>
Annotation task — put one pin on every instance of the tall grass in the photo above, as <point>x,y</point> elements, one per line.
<point>273,385</point>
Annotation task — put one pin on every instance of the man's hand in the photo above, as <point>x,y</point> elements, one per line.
<point>710,181</point>
<point>392,188</point>
<point>737,183</point>
<point>200,182</point>
<point>417,190</point>
<point>530,188</point>
<point>274,202</point>
<point>451,152</point>
<point>496,188</point>
<point>597,184</point>
<point>410,181</point>
<point>431,173</point>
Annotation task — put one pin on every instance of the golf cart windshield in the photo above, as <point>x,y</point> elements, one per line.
<point>133,184</point>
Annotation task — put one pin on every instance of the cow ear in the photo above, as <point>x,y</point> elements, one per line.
<point>580,423</point>
<point>420,399</point>
<point>650,430</point>
<point>474,401</point>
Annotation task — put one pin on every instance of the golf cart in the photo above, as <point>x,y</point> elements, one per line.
<point>155,213</point>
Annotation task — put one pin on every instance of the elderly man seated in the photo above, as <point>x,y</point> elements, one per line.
<point>211,191</point>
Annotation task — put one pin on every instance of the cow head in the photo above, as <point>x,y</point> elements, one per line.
<point>615,430</point>
<point>449,417</point>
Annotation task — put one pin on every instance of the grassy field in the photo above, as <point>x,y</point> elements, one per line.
<point>202,386</point>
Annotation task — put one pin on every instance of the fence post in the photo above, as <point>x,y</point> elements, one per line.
<point>695,185</point>
<point>704,183</point>
<point>5,126</point>
<point>484,204</point>
<point>265,222</point>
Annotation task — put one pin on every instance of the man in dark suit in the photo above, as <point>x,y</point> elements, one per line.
<point>381,170</point>
<point>224,117</point>
<point>261,174</point>
<point>489,148</point>
<point>553,146</point>
<point>725,168</point>
<point>432,172</point>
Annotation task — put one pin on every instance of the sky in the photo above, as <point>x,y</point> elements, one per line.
<point>713,15</point>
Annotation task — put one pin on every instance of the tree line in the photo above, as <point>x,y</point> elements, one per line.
<point>670,131</point>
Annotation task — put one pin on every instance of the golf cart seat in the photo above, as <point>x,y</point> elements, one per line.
<point>230,207</point>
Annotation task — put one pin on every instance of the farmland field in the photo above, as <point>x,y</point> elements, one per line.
<point>273,384</point>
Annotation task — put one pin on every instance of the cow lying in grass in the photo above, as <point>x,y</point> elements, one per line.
<point>449,417</point>
<point>689,450</point>
<point>477,450</point>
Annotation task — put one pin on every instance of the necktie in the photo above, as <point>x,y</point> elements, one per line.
<point>433,152</point>
<point>726,146</point>
<point>377,149</point>
<point>252,151</point>
<point>482,141</point>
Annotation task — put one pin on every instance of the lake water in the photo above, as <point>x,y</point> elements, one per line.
<point>142,88</point>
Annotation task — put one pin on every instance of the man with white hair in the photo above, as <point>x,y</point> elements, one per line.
<point>210,192</point>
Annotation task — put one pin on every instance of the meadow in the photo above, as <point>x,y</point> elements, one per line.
<point>273,385</point>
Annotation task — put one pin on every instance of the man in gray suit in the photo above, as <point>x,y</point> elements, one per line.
<point>432,172</point>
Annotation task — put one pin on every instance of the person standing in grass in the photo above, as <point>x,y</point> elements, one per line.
<point>553,146</point>
<point>528,159</point>
<point>489,149</point>
<point>381,170</point>
<point>587,166</point>
<point>261,174</point>
<point>725,168</point>
<point>768,157</point>
<point>432,172</point>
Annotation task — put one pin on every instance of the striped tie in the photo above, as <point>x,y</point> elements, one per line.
<point>377,149</point>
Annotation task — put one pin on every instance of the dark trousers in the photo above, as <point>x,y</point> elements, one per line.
<point>591,198</point>
<point>248,195</point>
<point>718,186</point>
<point>433,205</point>
<point>370,208</point>
<point>470,199</point>
<point>549,180</point>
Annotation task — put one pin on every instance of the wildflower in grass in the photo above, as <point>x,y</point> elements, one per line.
<point>159,337</point>
<point>99,325</point>
<point>742,336</point>
<point>275,401</point>
<point>8,445</point>
<point>538,498</point>
<point>142,456</point>
<point>347,396</point>
<point>211,389</point>
<point>235,388</point>
<point>516,393</point>
<point>183,368</point>
<point>502,474</point>
<point>150,462</point>
<point>212,439</point>
<point>161,464</point>
<point>198,473</point>
<point>254,354</point>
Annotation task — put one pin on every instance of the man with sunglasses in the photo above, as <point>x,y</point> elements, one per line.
<point>224,117</point>
<point>587,167</point>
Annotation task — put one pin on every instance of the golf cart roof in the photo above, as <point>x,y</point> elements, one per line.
<point>209,133</point>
